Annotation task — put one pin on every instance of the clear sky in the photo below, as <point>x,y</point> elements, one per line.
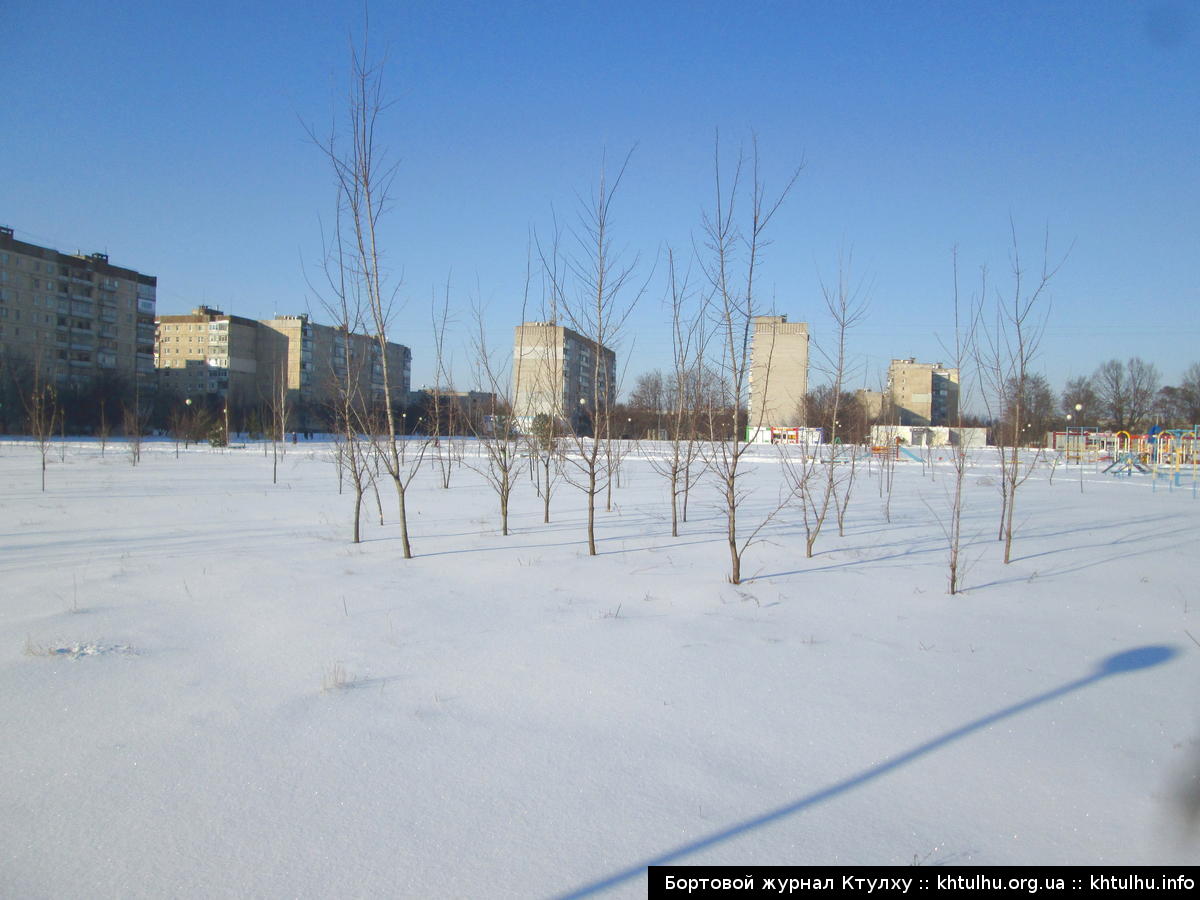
<point>171,136</point>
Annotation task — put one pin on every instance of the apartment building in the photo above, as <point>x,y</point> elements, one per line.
<point>317,361</point>
<point>778,372</point>
<point>208,352</point>
<point>560,373</point>
<point>922,394</point>
<point>76,316</point>
<point>246,361</point>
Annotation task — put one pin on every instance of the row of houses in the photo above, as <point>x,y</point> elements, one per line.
<point>245,360</point>
<point>77,317</point>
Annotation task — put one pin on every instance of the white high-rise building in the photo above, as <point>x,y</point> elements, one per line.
<point>560,373</point>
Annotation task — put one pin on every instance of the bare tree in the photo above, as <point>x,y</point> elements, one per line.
<point>733,255</point>
<point>499,435</point>
<point>965,324</point>
<point>1036,402</point>
<point>1125,392</point>
<point>1008,343</point>
<point>1179,405</point>
<point>41,412</point>
<point>679,397</point>
<point>1078,391</point>
<point>597,301</point>
<point>1189,387</point>
<point>443,406</point>
<point>835,476</point>
<point>538,371</point>
<point>618,441</point>
<point>364,179</point>
<point>278,405</point>
<point>133,418</point>
<point>341,296</point>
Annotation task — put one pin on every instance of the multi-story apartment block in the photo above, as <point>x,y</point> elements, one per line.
<point>74,316</point>
<point>247,361</point>
<point>460,411</point>
<point>923,394</point>
<point>208,352</point>
<point>778,372</point>
<point>560,373</point>
<point>320,361</point>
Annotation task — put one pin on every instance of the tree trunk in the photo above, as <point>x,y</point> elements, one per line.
<point>403,520</point>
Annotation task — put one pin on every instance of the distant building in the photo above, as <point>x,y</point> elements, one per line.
<point>208,352</point>
<point>922,393</point>
<point>462,412</point>
<point>560,373</point>
<point>872,403</point>
<point>778,372</point>
<point>75,316</point>
<point>927,436</point>
<point>245,361</point>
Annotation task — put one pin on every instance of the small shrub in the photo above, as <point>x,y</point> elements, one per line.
<point>334,678</point>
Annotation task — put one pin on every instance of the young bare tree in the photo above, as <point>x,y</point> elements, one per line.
<point>733,254</point>
<point>1007,346</point>
<point>364,179</point>
<point>823,480</point>
<point>341,297</point>
<point>133,419</point>
<point>538,369</point>
<point>597,303</point>
<point>443,406</point>
<point>618,442</point>
<point>678,397</point>
<point>500,434</point>
<point>278,405</point>
<point>965,324</point>
<point>847,307</point>
<point>41,412</point>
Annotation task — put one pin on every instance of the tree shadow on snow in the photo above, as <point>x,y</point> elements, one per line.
<point>1128,661</point>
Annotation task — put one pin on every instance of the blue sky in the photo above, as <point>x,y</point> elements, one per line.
<point>171,135</point>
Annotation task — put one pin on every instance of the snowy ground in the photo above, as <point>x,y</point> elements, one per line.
<point>521,720</point>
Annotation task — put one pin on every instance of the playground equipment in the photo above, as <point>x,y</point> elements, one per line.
<point>1170,455</point>
<point>1126,463</point>
<point>1176,459</point>
<point>896,451</point>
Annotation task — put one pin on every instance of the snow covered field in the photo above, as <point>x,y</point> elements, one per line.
<point>517,719</point>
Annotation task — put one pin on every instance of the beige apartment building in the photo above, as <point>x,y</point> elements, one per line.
<point>778,372</point>
<point>208,352</point>
<point>76,316</point>
<point>245,361</point>
<point>320,361</point>
<point>922,394</point>
<point>560,373</point>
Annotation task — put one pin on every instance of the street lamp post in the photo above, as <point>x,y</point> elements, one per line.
<point>1082,442</point>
